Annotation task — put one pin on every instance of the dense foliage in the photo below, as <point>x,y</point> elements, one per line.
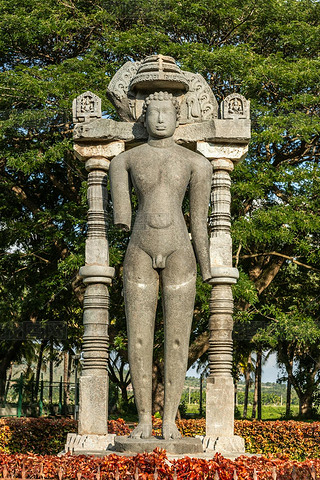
<point>267,50</point>
<point>145,465</point>
<point>43,436</point>
<point>296,440</point>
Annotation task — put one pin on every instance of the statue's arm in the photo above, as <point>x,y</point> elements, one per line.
<point>200,187</point>
<point>120,191</point>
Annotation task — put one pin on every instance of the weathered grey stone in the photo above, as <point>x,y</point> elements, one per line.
<point>219,406</point>
<point>86,107</point>
<point>219,396</point>
<point>84,444</point>
<point>131,84</point>
<point>95,151</point>
<point>223,153</point>
<point>93,403</point>
<point>216,130</point>
<point>235,106</point>
<point>160,250</point>
<point>93,410</point>
<point>138,445</point>
<point>159,247</point>
<point>221,275</point>
<point>96,273</point>
<point>224,445</point>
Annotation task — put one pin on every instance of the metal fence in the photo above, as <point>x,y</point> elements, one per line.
<point>26,398</point>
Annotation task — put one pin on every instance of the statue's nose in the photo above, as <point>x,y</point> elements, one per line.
<point>160,117</point>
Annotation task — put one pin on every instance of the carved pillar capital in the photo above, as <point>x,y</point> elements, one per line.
<point>90,151</point>
<point>222,154</point>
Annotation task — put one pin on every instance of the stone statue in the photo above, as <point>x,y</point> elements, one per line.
<point>160,251</point>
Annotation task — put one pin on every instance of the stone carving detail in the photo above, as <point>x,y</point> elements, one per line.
<point>86,107</point>
<point>235,106</point>
<point>119,93</point>
<point>97,200</point>
<point>95,339</point>
<point>220,326</point>
<point>199,104</point>
<point>128,89</point>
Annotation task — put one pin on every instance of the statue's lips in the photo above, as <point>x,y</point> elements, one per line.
<point>160,128</point>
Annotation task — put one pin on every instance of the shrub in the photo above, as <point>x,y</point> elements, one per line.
<point>44,436</point>
<point>72,467</point>
<point>299,440</point>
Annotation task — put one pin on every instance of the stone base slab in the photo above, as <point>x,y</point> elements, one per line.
<point>77,444</point>
<point>180,446</point>
<point>233,444</point>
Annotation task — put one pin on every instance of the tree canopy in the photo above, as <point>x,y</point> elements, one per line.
<point>267,50</point>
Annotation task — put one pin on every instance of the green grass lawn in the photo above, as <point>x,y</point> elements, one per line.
<point>269,412</point>
<point>272,412</point>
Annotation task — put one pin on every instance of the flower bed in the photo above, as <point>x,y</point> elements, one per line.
<point>298,440</point>
<point>44,436</point>
<point>145,466</point>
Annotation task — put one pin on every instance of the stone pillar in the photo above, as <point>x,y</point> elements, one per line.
<point>97,275</point>
<point>220,388</point>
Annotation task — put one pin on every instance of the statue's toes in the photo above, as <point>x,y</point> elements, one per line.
<point>170,431</point>
<point>142,431</point>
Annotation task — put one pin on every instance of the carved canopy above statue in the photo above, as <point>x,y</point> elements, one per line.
<point>135,80</point>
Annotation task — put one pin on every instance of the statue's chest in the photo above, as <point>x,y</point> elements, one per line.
<point>159,170</point>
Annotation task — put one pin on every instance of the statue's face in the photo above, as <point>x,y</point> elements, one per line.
<point>161,118</point>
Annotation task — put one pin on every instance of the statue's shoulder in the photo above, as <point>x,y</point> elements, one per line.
<point>125,157</point>
<point>196,159</point>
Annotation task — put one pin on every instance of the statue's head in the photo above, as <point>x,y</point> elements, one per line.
<point>161,114</point>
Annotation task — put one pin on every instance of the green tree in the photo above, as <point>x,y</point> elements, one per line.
<point>52,51</point>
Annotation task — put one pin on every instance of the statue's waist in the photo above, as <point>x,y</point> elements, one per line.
<point>156,220</point>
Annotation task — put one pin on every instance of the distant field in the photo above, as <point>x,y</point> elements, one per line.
<point>269,412</point>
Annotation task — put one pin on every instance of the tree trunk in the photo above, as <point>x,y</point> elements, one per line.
<point>8,355</point>
<point>247,386</point>
<point>66,377</point>
<point>39,365</point>
<point>51,377</point>
<point>157,388</point>
<point>255,395</point>
<point>288,399</point>
<point>259,372</point>
<point>305,405</point>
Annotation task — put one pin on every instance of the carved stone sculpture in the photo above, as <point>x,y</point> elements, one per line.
<point>168,115</point>
<point>160,251</point>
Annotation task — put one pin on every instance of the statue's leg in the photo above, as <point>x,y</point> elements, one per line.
<point>141,286</point>
<point>179,287</point>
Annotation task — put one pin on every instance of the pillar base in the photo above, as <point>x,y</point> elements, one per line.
<point>224,445</point>
<point>220,407</point>
<point>88,444</point>
<point>93,401</point>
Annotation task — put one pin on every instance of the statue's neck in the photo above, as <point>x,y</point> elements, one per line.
<point>161,142</point>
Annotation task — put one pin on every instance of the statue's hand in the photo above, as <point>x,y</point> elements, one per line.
<point>122,226</point>
<point>206,276</point>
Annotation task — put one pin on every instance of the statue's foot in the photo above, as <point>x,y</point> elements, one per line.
<point>170,431</point>
<point>143,430</point>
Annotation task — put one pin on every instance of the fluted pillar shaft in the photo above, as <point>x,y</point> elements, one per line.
<point>220,388</point>
<point>97,275</point>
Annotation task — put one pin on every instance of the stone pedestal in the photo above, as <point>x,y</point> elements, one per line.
<point>181,446</point>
